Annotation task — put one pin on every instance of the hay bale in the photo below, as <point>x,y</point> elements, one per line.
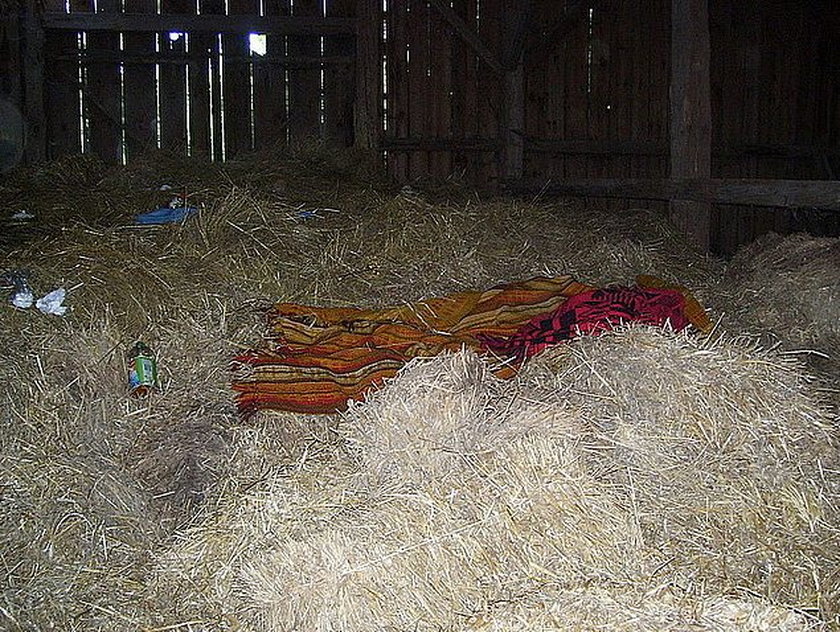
<point>449,497</point>
<point>642,472</point>
<point>789,287</point>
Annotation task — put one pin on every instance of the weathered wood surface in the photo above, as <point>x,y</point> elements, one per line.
<point>690,114</point>
<point>33,85</point>
<point>367,108</point>
<point>822,194</point>
<point>140,102</point>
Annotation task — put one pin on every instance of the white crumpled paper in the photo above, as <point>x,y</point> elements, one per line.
<point>52,303</point>
<point>22,299</point>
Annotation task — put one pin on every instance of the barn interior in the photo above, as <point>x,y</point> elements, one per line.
<point>180,172</point>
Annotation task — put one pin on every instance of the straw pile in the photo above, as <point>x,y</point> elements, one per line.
<point>789,287</point>
<point>643,480</point>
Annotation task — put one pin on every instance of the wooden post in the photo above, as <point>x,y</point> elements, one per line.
<point>367,121</point>
<point>690,113</point>
<point>33,85</point>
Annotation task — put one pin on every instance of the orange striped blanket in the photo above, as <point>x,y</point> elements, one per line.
<point>321,358</point>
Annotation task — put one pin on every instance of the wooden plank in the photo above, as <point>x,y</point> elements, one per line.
<point>441,144</point>
<point>102,95</point>
<point>205,75</point>
<point>11,67</point>
<point>465,94</point>
<point>512,121</point>
<point>33,86</point>
<point>304,83</point>
<point>397,93</point>
<point>657,96</point>
<point>367,114</point>
<point>126,22</point>
<point>270,107</point>
<point>440,91</point>
<point>173,83</point>
<point>822,194</point>
<point>576,102</point>
<point>490,21</point>
<point>419,99</point>
<point>139,92</point>
<point>237,83</point>
<point>690,113</point>
<point>61,92</point>
<point>339,84</point>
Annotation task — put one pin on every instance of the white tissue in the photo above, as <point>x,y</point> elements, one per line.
<point>52,303</point>
<point>23,299</point>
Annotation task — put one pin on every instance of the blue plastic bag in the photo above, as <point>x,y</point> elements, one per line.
<point>165,215</point>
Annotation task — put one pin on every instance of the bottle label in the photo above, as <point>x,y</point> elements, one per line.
<point>143,373</point>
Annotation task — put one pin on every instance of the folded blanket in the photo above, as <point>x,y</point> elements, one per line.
<point>321,358</point>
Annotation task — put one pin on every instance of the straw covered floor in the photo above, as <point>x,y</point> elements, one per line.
<point>640,480</point>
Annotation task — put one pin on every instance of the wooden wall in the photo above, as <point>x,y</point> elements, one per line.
<point>196,90</point>
<point>596,96</point>
<point>437,82</point>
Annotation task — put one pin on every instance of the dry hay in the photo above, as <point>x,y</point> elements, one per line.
<point>152,514</point>
<point>789,288</point>
<point>598,490</point>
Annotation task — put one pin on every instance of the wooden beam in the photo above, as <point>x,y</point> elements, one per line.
<point>128,22</point>
<point>822,194</point>
<point>690,114</point>
<point>129,58</point>
<point>440,144</point>
<point>467,34</point>
<point>595,147</point>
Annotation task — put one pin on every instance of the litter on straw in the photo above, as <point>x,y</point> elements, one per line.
<point>51,303</point>
<point>165,215</point>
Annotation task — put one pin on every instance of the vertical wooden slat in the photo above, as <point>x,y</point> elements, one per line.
<point>62,90</point>
<point>690,113</point>
<point>33,85</point>
<point>397,87</point>
<point>11,67</point>
<point>237,83</point>
<point>172,88</point>
<point>103,102</point>
<point>339,84</point>
<point>660,73</point>
<point>205,96</point>
<point>465,92</point>
<point>577,97</point>
<point>440,88</point>
<point>270,115</point>
<point>418,96</point>
<point>489,88</point>
<point>367,112</point>
<point>140,106</point>
<point>640,166</point>
<point>304,82</point>
<point>512,119</point>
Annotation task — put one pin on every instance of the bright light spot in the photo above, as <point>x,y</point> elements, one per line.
<point>174,36</point>
<point>257,44</point>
